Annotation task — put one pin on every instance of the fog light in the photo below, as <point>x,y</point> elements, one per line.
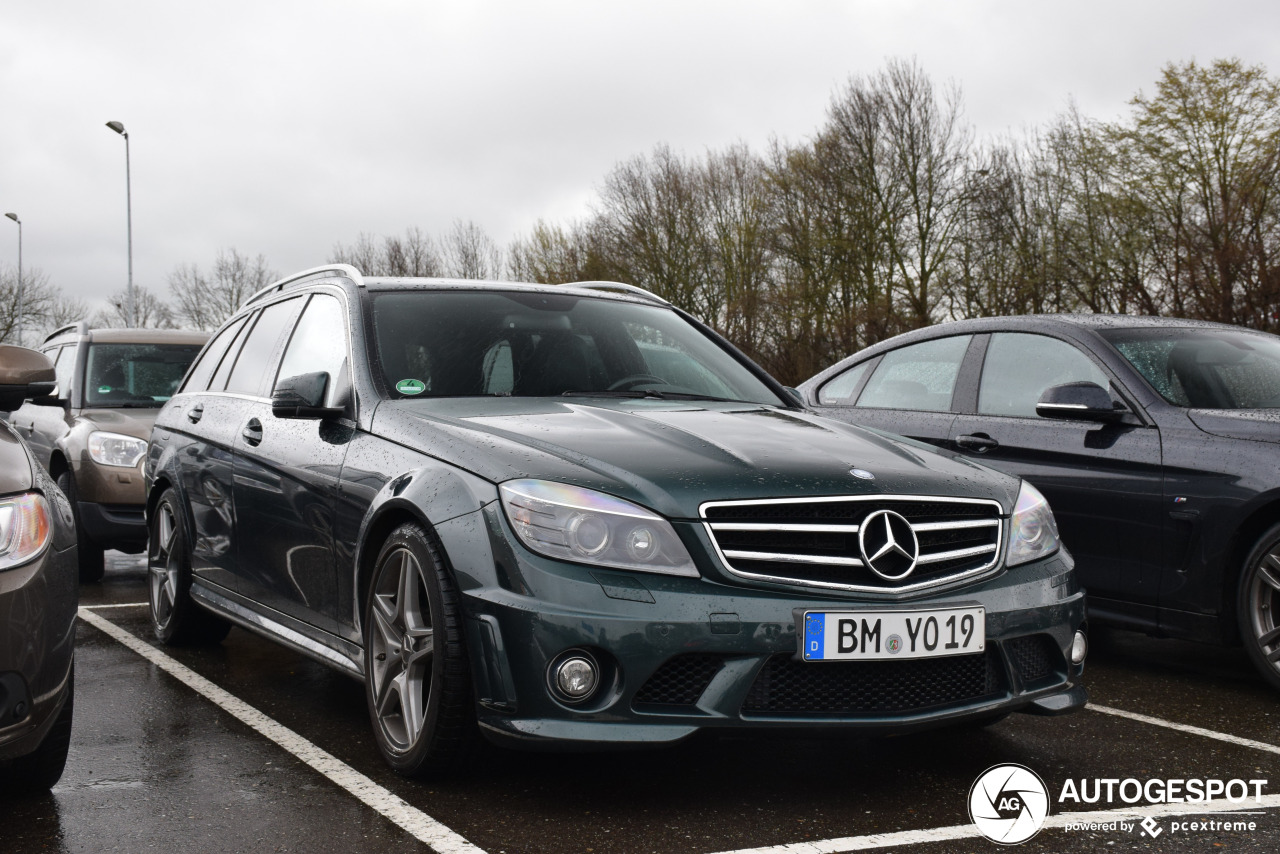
<point>576,677</point>
<point>1079,648</point>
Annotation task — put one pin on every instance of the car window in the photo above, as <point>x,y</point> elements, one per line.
<point>1205,367</point>
<point>255,361</point>
<point>135,375</point>
<point>219,381</point>
<point>920,376</point>
<point>65,367</point>
<point>1019,367</point>
<point>198,377</point>
<point>838,390</point>
<point>319,343</point>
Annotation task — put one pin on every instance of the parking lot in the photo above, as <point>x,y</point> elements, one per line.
<point>250,747</point>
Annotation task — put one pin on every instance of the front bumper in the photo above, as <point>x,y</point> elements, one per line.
<point>37,635</point>
<point>679,655</point>
<point>114,526</point>
<point>111,505</point>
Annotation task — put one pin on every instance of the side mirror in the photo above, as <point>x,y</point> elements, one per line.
<point>1079,401</point>
<point>23,374</point>
<point>302,397</point>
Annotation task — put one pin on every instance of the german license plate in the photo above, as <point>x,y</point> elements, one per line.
<point>845,635</point>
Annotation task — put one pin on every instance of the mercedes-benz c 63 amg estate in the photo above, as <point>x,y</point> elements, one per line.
<point>576,516</point>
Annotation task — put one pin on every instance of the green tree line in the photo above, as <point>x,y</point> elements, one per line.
<point>892,215</point>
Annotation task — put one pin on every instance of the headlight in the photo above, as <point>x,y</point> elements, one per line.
<point>25,528</point>
<point>1033,533</point>
<point>583,526</point>
<point>112,449</point>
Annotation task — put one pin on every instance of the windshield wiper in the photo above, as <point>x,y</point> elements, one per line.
<point>653,394</point>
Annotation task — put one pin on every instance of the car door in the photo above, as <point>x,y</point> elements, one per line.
<point>199,424</point>
<point>287,472</point>
<point>907,391</point>
<point>1103,481</point>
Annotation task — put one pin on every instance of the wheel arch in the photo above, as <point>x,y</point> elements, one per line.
<point>429,498</point>
<point>58,464</point>
<point>1243,539</point>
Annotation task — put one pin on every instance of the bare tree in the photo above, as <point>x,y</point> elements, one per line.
<point>150,311</point>
<point>39,298</point>
<point>469,253</point>
<point>204,301</point>
<point>1202,163</point>
<point>650,222</point>
<point>415,254</point>
<point>554,255</point>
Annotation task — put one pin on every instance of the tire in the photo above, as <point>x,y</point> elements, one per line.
<point>419,693</point>
<point>38,772</point>
<point>89,553</point>
<point>1258,606</point>
<point>175,617</point>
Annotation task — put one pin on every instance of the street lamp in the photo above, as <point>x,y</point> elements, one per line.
<point>18,326</point>
<point>118,127</point>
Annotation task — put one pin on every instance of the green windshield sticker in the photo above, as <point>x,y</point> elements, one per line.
<point>104,389</point>
<point>410,387</point>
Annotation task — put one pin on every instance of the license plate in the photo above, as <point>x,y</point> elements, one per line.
<point>845,635</point>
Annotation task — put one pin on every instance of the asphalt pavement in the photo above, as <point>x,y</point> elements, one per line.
<point>248,747</point>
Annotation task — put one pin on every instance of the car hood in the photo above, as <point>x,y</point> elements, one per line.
<point>672,456</point>
<point>127,422</point>
<point>1260,425</point>
<point>15,463</point>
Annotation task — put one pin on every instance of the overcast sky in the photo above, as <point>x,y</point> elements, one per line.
<point>284,128</point>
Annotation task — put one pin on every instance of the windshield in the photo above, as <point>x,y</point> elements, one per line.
<point>135,375</point>
<point>1205,368</point>
<point>469,343</point>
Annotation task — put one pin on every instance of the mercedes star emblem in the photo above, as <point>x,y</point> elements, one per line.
<point>889,545</point>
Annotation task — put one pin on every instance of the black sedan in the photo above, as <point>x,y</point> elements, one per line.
<point>1154,440</point>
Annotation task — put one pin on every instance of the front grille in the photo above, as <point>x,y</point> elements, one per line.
<point>786,686</point>
<point>1034,657</point>
<point>680,681</point>
<point>817,541</point>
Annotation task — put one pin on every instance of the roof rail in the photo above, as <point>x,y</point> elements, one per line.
<point>307,275</point>
<point>80,327</point>
<point>620,287</point>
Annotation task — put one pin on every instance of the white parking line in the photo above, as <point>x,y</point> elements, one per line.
<point>1187,728</point>
<point>390,805</point>
<point>446,841</point>
<point>969,831</point>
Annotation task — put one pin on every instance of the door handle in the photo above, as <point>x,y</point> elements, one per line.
<point>195,413</point>
<point>252,432</point>
<point>979,442</point>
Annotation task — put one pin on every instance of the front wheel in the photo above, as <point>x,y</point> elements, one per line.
<point>176,619</point>
<point>417,679</point>
<point>1259,599</point>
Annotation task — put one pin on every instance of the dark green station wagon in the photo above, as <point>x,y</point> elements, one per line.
<point>576,517</point>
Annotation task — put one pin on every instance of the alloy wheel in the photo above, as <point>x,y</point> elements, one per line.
<point>163,566</point>
<point>402,648</point>
<point>1264,597</point>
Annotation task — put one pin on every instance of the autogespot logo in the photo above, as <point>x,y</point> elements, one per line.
<point>1008,804</point>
